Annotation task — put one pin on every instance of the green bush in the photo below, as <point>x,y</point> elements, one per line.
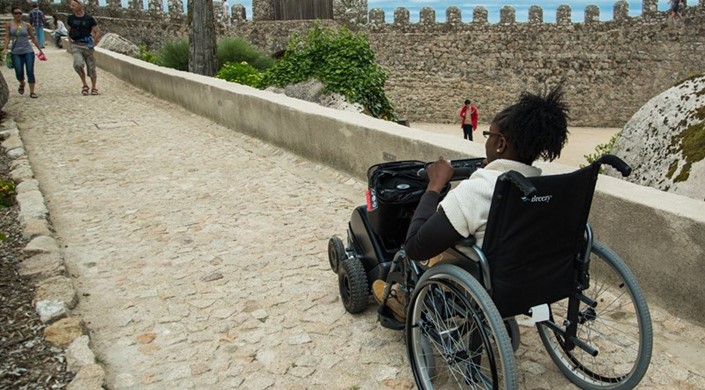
<point>174,55</point>
<point>146,55</point>
<point>242,73</point>
<point>601,149</point>
<point>342,60</point>
<point>8,191</point>
<point>237,50</point>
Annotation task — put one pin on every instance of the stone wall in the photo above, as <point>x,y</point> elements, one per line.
<point>610,68</point>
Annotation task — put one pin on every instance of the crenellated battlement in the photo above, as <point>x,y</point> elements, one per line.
<point>480,15</point>
<point>356,12</point>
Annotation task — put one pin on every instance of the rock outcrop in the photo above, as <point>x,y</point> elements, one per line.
<point>664,141</point>
<point>314,91</point>
<point>118,44</point>
<point>4,91</point>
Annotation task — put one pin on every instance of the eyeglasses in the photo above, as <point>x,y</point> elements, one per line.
<point>487,134</point>
<point>17,13</point>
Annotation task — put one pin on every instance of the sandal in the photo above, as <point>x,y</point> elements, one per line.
<point>84,90</point>
<point>94,91</point>
<point>33,95</point>
<point>20,90</point>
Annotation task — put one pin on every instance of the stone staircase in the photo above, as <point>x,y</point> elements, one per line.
<point>4,18</point>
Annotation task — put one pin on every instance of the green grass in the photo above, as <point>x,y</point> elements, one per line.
<point>174,55</point>
<point>238,50</point>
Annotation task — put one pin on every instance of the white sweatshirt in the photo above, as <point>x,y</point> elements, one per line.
<point>467,206</point>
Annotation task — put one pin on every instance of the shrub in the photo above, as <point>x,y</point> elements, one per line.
<point>146,55</point>
<point>8,191</point>
<point>343,61</point>
<point>237,50</point>
<point>174,55</point>
<point>242,73</point>
<point>601,149</point>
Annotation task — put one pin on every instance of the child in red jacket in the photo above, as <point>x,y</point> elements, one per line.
<point>468,119</point>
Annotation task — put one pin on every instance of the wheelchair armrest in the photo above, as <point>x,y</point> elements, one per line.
<point>468,248</point>
<point>469,241</point>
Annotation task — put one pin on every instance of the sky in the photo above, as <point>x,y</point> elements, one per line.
<point>493,7</point>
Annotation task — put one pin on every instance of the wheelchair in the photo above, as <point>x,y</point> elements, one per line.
<point>538,258</point>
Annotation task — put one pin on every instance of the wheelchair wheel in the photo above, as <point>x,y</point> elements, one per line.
<point>353,286</point>
<point>336,252</point>
<point>453,319</point>
<point>513,332</point>
<point>619,328</point>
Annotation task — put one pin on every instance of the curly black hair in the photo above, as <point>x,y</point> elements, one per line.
<point>537,125</point>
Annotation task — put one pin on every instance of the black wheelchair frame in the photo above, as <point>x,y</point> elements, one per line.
<point>460,327</point>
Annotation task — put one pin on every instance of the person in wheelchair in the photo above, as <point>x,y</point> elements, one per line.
<point>534,127</point>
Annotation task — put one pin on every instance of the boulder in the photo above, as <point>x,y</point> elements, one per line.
<point>664,142</point>
<point>314,91</point>
<point>118,44</point>
<point>4,91</point>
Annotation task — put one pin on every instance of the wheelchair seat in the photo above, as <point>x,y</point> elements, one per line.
<point>535,237</point>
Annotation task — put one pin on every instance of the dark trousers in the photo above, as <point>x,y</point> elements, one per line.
<point>467,132</point>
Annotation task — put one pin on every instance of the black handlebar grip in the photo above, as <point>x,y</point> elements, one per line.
<point>520,181</point>
<point>462,173</point>
<point>458,173</point>
<point>616,163</point>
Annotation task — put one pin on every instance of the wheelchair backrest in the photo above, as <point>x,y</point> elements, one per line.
<point>533,242</point>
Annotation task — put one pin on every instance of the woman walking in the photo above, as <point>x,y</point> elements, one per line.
<point>20,33</point>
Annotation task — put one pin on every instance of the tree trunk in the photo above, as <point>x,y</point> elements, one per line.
<point>201,36</point>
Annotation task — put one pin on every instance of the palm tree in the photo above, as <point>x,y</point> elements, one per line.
<point>201,36</point>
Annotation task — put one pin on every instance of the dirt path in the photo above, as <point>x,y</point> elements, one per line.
<point>581,141</point>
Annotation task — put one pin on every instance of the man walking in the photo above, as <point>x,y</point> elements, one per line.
<point>38,20</point>
<point>84,35</point>
<point>468,119</point>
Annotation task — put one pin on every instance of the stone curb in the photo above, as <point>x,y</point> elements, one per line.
<point>55,294</point>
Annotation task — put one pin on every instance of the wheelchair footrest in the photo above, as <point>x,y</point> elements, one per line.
<point>387,320</point>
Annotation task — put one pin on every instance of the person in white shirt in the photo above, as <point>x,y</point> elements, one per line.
<point>534,127</point>
<point>60,31</point>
